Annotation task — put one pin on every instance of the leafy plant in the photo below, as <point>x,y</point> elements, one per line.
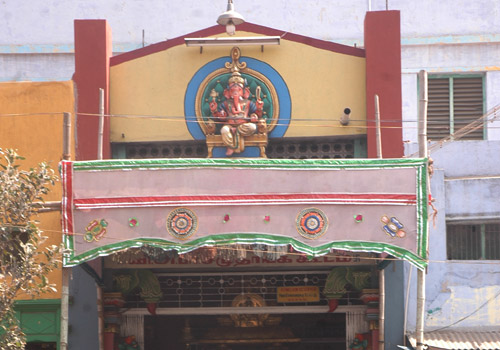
<point>24,261</point>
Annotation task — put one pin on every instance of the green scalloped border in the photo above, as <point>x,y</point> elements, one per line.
<point>255,238</point>
<point>419,259</point>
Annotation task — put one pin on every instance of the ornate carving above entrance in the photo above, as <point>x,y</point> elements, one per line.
<point>237,102</point>
<point>236,106</point>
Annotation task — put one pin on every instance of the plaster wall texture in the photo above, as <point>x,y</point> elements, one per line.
<point>466,185</point>
<point>487,192</point>
<point>36,67</point>
<point>454,289</point>
<point>32,124</point>
<point>162,20</point>
<point>451,57</point>
<point>464,158</point>
<point>423,22</point>
<point>493,101</point>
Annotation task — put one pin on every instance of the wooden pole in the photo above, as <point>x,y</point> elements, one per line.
<point>100,140</point>
<point>67,136</point>
<point>378,133</point>
<point>66,271</point>
<point>100,315</point>
<point>381,305</point>
<point>422,150</point>
<point>100,136</point>
<point>381,275</point>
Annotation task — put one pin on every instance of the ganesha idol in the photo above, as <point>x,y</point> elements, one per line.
<point>240,116</point>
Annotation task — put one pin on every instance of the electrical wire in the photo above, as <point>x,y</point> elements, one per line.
<point>193,119</point>
<point>478,123</point>
<point>466,317</point>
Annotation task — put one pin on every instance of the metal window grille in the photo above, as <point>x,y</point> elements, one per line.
<point>454,102</point>
<point>277,149</point>
<point>191,149</point>
<point>473,241</point>
<point>492,241</point>
<point>220,290</point>
<point>310,149</point>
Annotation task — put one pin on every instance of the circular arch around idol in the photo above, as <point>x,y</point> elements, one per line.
<point>211,80</point>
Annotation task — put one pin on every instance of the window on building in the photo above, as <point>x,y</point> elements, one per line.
<point>473,241</point>
<point>454,102</point>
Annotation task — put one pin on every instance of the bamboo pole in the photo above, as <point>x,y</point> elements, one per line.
<point>381,274</point>
<point>378,134</point>
<point>100,140</point>
<point>100,136</point>
<point>381,305</point>
<point>66,271</point>
<point>422,150</point>
<point>43,207</point>
<point>67,136</point>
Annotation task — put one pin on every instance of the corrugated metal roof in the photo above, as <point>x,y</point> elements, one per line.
<point>460,340</point>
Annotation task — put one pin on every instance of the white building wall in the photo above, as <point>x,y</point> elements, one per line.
<point>466,181</point>
<point>447,36</point>
<point>46,27</point>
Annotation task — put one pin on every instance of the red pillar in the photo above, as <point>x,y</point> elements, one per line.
<point>383,78</point>
<point>93,49</point>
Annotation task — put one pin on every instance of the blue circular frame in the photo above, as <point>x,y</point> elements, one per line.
<point>285,107</point>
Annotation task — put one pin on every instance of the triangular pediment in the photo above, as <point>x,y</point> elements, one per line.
<point>245,27</point>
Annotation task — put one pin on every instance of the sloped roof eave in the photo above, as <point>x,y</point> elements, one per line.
<point>249,27</point>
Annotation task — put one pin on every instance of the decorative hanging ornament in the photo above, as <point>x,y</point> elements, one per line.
<point>392,226</point>
<point>311,223</point>
<point>95,230</point>
<point>182,223</point>
<point>332,304</point>
<point>358,218</point>
<point>133,222</point>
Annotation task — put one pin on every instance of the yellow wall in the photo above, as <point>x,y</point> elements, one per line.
<point>321,84</point>
<point>36,132</point>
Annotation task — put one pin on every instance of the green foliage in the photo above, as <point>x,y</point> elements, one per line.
<point>24,265</point>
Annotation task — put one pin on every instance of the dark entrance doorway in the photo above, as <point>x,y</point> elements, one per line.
<point>41,346</point>
<point>325,331</point>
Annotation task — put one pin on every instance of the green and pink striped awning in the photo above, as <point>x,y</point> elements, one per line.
<point>314,206</point>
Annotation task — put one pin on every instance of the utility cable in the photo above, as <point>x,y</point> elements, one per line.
<point>469,315</point>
